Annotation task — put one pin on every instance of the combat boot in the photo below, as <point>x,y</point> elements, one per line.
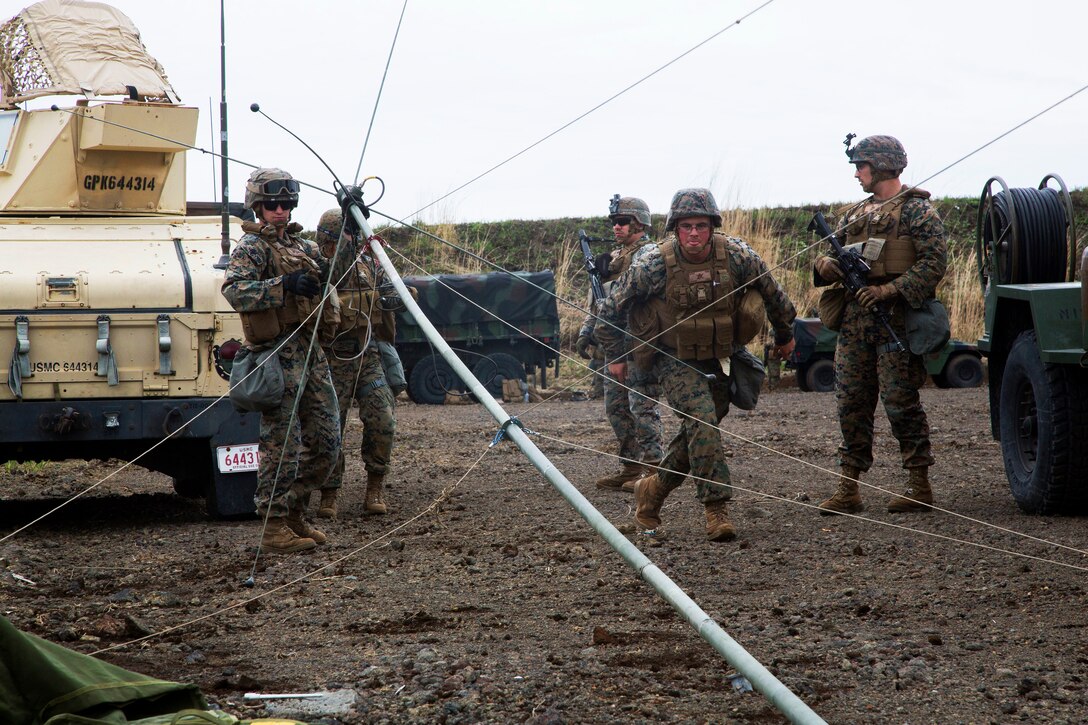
<point>718,525</point>
<point>375,504</point>
<point>650,495</point>
<point>297,523</point>
<point>918,495</point>
<point>846,500</point>
<point>327,508</point>
<point>614,482</point>
<point>280,539</point>
<point>648,468</point>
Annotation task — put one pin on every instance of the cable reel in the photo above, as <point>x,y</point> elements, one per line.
<point>1025,235</point>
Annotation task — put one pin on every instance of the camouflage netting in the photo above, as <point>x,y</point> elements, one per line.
<point>66,47</point>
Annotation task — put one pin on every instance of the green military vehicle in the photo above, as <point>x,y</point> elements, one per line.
<point>957,365</point>
<point>502,326</point>
<point>116,340</point>
<point>1036,342</point>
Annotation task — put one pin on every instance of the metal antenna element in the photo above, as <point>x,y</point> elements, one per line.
<point>377,98</point>
<point>225,193</point>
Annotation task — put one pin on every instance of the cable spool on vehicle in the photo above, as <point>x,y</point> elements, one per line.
<point>1025,235</point>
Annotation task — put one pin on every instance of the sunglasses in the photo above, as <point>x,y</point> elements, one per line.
<point>285,204</point>
<point>279,186</point>
<point>621,220</point>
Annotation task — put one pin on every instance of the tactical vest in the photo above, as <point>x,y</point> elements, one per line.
<point>695,317</point>
<point>261,326</point>
<point>898,253</point>
<point>621,262</point>
<point>359,308</point>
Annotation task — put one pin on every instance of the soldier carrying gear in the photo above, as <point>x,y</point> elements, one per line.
<point>272,275</point>
<point>689,276</point>
<point>356,361</point>
<point>902,236</point>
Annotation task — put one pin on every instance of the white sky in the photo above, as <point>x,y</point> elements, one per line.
<point>758,114</point>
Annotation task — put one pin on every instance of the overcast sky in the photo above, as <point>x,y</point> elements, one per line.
<point>758,113</point>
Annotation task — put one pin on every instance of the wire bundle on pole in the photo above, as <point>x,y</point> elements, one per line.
<point>1024,232</point>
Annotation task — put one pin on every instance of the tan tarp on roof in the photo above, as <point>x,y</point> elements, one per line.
<point>59,47</point>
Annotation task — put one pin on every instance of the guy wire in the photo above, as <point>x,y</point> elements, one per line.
<point>377,98</point>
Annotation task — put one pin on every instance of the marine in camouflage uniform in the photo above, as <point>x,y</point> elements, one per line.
<point>274,281</point>
<point>706,269</point>
<point>910,237</point>
<point>356,363</point>
<point>630,405</point>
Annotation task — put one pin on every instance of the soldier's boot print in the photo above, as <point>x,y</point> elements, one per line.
<point>918,495</point>
<point>650,495</point>
<point>327,508</point>
<point>375,503</point>
<point>649,468</point>
<point>279,539</point>
<point>718,525</point>
<point>614,481</point>
<point>846,500</point>
<point>298,524</point>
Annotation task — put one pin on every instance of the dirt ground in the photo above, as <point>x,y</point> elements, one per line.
<point>502,605</point>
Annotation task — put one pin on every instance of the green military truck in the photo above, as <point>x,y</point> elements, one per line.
<point>502,326</point>
<point>1036,342</point>
<point>957,365</point>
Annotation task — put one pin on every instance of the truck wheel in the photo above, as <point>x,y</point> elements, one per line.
<point>1044,411</point>
<point>431,378</point>
<point>491,371</point>
<point>820,375</point>
<point>192,485</point>
<point>962,371</point>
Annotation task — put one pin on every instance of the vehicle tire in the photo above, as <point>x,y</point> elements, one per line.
<point>494,368</point>
<point>820,375</point>
<point>1043,421</point>
<point>962,371</point>
<point>431,378</point>
<point>801,373</point>
<point>192,485</point>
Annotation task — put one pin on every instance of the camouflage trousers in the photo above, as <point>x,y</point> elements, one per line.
<point>597,381</point>
<point>633,414</point>
<point>862,371</point>
<point>297,452</point>
<point>362,378</point>
<point>697,446</point>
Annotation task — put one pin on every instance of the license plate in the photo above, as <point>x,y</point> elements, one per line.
<point>236,459</point>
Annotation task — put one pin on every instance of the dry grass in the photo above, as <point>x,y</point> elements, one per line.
<point>959,290</point>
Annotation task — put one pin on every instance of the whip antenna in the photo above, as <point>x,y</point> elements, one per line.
<point>225,211</point>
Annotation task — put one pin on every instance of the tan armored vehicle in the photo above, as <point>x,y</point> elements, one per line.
<point>120,341</point>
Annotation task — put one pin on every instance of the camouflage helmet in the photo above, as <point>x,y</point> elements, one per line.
<point>329,227</point>
<point>629,206</point>
<point>883,153</point>
<point>692,202</point>
<point>270,184</point>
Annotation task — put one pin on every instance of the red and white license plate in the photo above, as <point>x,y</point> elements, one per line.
<point>236,459</point>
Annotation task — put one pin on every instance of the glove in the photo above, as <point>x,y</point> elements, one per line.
<point>602,262</point>
<point>869,297</point>
<point>582,346</point>
<point>828,268</point>
<point>348,197</point>
<point>301,283</point>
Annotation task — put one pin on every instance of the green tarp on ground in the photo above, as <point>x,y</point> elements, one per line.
<point>42,682</point>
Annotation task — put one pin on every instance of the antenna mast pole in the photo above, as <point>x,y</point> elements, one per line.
<point>223,261</point>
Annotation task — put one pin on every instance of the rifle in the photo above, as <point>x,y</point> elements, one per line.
<point>855,273</point>
<point>591,266</point>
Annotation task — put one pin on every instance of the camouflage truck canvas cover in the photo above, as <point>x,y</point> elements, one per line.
<point>524,299</point>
